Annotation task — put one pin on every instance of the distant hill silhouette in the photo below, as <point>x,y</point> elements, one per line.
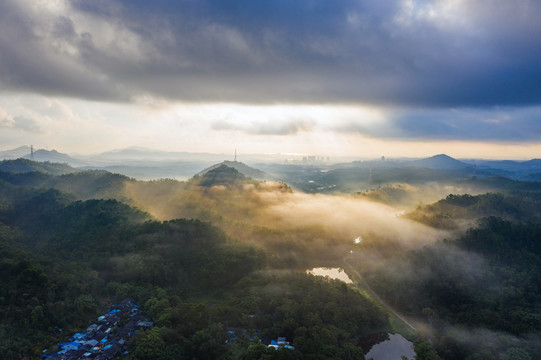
<point>439,162</point>
<point>24,152</point>
<point>511,165</point>
<point>15,153</point>
<point>53,156</point>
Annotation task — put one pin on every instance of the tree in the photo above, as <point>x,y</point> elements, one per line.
<point>209,343</point>
<point>425,351</point>
<point>150,346</point>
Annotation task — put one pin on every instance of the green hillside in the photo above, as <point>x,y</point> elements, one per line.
<point>26,166</point>
<point>65,260</point>
<point>484,284</point>
<point>451,212</point>
<point>218,263</point>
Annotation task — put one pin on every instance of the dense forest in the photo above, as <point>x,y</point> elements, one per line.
<point>224,254</point>
<point>65,260</point>
<point>479,294</point>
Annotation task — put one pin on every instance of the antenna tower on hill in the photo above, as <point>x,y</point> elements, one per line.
<point>235,155</point>
<point>32,152</point>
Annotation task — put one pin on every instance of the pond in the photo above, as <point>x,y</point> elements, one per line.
<point>392,349</point>
<point>333,273</point>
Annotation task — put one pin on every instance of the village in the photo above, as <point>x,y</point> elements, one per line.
<point>107,338</point>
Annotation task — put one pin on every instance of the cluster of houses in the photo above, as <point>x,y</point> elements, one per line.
<point>105,339</point>
<point>280,343</point>
<point>108,338</point>
<point>277,344</point>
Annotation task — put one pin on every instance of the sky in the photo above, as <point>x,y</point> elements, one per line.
<point>361,78</point>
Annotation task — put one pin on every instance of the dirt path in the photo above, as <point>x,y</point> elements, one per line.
<point>376,296</point>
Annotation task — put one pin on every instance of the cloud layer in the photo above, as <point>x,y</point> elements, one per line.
<point>429,53</point>
<point>283,75</point>
<point>511,124</point>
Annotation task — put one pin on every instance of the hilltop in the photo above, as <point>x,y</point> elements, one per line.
<point>15,153</point>
<point>221,175</point>
<point>441,162</point>
<point>242,169</point>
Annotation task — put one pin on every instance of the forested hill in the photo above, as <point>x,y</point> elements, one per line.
<point>218,263</point>
<point>82,184</point>
<point>478,291</point>
<point>65,259</point>
<point>454,210</point>
<point>26,166</point>
<point>221,175</point>
<point>241,168</point>
<point>480,294</point>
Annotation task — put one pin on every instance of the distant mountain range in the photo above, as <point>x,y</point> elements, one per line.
<point>509,165</point>
<point>41,155</point>
<point>146,164</point>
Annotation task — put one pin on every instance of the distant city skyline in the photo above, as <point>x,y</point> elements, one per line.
<point>356,78</point>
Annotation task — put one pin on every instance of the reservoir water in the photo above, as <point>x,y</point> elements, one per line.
<point>392,349</point>
<point>333,273</point>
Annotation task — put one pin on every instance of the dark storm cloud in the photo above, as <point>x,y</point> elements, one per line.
<point>38,59</point>
<point>429,53</point>
<point>499,124</point>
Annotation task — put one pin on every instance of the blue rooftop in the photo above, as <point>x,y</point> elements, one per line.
<point>69,344</point>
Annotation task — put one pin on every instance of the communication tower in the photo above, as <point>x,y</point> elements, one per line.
<point>32,152</point>
<point>235,155</point>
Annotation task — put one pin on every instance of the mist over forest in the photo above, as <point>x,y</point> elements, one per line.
<point>449,258</point>
<point>273,179</point>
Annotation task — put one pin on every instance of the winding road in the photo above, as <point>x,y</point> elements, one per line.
<point>376,296</point>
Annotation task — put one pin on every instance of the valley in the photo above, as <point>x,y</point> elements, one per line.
<point>441,257</point>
